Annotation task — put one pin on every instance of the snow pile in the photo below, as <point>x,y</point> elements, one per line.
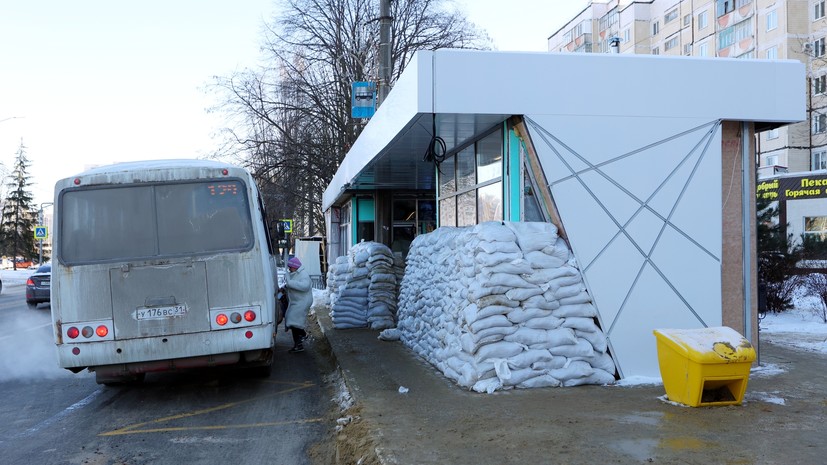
<point>501,305</point>
<point>363,288</point>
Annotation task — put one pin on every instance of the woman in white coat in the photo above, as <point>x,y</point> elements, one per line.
<point>300,296</point>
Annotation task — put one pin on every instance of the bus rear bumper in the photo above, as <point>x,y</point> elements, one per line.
<point>163,353</point>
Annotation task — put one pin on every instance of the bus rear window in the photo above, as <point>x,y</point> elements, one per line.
<point>148,221</point>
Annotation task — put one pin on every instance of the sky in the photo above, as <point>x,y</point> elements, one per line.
<point>92,82</point>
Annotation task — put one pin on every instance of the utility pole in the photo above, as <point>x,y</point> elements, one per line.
<point>384,49</point>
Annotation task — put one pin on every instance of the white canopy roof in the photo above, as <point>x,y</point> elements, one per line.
<point>465,92</point>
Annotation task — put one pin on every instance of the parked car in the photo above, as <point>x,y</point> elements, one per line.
<point>39,285</point>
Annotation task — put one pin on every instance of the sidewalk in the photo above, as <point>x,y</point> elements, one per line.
<point>437,422</point>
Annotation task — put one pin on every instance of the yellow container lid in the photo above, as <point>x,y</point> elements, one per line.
<point>708,345</point>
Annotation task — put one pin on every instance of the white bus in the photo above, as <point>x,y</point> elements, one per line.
<point>162,265</point>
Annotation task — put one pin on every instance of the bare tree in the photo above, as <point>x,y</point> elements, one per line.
<point>815,284</point>
<point>292,118</point>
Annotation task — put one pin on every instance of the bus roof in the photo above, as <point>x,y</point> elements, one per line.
<point>156,164</point>
<point>152,171</point>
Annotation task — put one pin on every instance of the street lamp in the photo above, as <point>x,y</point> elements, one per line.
<point>40,220</point>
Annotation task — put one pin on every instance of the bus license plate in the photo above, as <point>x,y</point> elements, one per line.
<point>160,313</point>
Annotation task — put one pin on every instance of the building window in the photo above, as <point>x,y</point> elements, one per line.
<point>655,51</point>
<point>687,49</point>
<point>671,43</point>
<point>655,28</point>
<point>723,7</point>
<point>772,160</point>
<point>743,30</point>
<point>820,84</point>
<point>818,11</point>
<point>687,20</point>
<point>627,35</point>
<point>772,20</point>
<point>815,227</point>
<point>471,183</point>
<point>818,47</point>
<point>670,16</point>
<point>819,160</point>
<point>740,3</point>
<point>703,20</point>
<point>819,123</point>
<point>703,49</point>
<point>726,38</point>
<point>772,134</point>
<point>772,53</point>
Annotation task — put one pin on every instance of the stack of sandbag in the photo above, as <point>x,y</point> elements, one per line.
<point>501,305</point>
<point>363,288</point>
<point>337,276</point>
<point>382,290</point>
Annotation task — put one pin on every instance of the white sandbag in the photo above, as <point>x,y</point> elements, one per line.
<point>487,385</point>
<point>544,380</point>
<point>508,280</point>
<point>573,370</point>
<point>559,249</point>
<point>495,299</point>
<point>581,298</point>
<point>529,357</point>
<point>496,246</point>
<point>494,259</point>
<point>565,292</point>
<point>472,312</point>
<point>528,336</point>
<point>493,231</point>
<point>521,315</point>
<point>540,260</point>
<point>597,339</point>
<point>598,377</point>
<point>501,369</point>
<point>553,364</point>
<point>489,322</point>
<point>519,266</point>
<point>581,324</point>
<point>544,322</point>
<point>539,301</point>
<point>477,291</point>
<point>520,294</point>
<point>585,309</point>
<point>582,348</point>
<point>557,337</point>
<point>520,376</point>
<point>502,349</point>
<point>601,361</point>
<point>547,275</point>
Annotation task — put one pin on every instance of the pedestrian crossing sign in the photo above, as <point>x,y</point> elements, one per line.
<point>41,233</point>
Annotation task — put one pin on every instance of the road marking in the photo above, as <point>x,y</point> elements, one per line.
<point>214,427</point>
<point>136,428</point>
<point>50,421</point>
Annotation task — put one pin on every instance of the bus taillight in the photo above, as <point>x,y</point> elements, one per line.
<point>221,319</point>
<point>73,332</point>
<point>235,317</point>
<point>87,332</point>
<point>102,331</point>
<point>250,315</point>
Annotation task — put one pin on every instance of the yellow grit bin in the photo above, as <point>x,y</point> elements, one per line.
<point>705,366</point>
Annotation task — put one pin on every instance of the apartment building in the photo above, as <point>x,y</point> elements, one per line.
<point>745,29</point>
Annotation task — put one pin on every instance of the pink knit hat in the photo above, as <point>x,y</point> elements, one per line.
<point>294,263</point>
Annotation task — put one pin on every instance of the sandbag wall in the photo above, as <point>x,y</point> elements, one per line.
<point>501,305</point>
<point>363,288</point>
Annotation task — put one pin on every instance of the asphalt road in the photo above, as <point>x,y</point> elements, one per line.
<point>51,416</point>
